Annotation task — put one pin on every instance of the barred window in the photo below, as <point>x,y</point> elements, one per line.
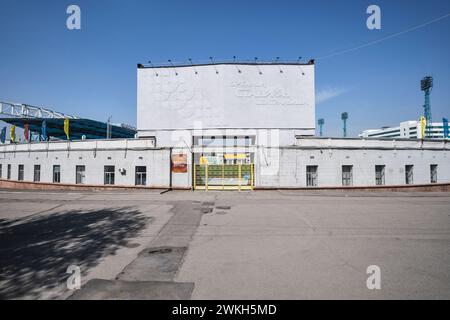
<point>21,172</point>
<point>347,175</point>
<point>56,174</point>
<point>409,174</point>
<point>109,175</point>
<point>311,176</point>
<point>141,176</point>
<point>80,173</point>
<point>37,173</point>
<point>433,173</point>
<point>379,175</point>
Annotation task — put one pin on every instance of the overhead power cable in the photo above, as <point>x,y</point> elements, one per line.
<point>384,38</point>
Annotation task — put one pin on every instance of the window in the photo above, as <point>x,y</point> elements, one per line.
<point>109,175</point>
<point>247,141</point>
<point>433,173</point>
<point>21,172</point>
<point>56,174</point>
<point>1,173</point>
<point>9,172</point>
<point>80,174</point>
<point>37,173</point>
<point>379,175</point>
<point>409,174</point>
<point>347,175</point>
<point>311,176</point>
<point>141,176</point>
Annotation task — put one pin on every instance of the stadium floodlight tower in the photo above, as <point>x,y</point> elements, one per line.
<point>344,117</point>
<point>321,122</point>
<point>426,84</point>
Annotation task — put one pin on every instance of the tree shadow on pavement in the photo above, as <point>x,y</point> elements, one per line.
<point>35,252</point>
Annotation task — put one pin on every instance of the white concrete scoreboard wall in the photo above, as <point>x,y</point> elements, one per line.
<point>234,96</point>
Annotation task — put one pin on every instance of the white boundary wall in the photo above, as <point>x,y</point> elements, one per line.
<point>94,155</point>
<point>331,154</point>
<point>274,167</point>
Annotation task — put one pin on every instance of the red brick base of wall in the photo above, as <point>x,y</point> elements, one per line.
<point>25,185</point>
<point>435,187</point>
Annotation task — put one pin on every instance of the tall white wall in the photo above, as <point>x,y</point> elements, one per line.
<point>263,137</point>
<point>233,96</point>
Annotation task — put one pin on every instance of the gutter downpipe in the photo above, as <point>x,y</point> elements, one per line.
<point>170,172</point>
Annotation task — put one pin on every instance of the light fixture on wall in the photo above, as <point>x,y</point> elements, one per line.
<point>151,64</point>
<point>234,61</point>
<point>277,59</point>
<point>212,63</point>
<point>298,61</point>
<point>195,70</point>
<point>256,59</point>
<point>170,61</point>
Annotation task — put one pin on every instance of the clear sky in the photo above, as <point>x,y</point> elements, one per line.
<point>92,72</point>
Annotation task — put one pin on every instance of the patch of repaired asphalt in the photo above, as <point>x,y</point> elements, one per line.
<point>151,274</point>
<point>98,289</point>
<point>154,264</point>
<point>206,210</point>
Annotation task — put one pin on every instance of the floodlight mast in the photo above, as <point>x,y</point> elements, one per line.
<point>426,84</point>
<point>321,122</point>
<point>344,117</point>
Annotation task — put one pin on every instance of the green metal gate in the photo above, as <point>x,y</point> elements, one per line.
<point>224,177</point>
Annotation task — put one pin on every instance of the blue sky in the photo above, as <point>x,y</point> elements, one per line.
<point>92,72</point>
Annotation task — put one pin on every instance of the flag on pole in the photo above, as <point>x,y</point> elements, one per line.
<point>445,126</point>
<point>12,134</point>
<point>66,128</point>
<point>44,130</point>
<point>3,135</point>
<point>26,132</point>
<point>423,125</point>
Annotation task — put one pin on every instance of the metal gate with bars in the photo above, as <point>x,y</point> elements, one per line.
<point>224,177</point>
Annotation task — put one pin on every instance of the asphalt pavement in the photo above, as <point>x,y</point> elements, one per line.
<point>224,245</point>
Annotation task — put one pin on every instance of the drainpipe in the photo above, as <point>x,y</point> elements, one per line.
<point>170,172</point>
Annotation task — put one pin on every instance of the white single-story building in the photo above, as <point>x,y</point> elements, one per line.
<point>310,162</point>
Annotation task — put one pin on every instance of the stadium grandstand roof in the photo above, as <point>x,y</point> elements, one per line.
<point>21,114</point>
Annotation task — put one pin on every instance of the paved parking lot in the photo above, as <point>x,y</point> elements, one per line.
<point>224,245</point>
